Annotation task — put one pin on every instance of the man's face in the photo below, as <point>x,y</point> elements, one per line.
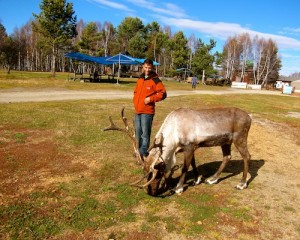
<point>147,68</point>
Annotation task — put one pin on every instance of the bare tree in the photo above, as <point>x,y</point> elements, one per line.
<point>230,51</point>
<point>272,60</point>
<point>192,46</point>
<point>265,59</point>
<point>245,45</point>
<point>79,28</point>
<point>107,32</point>
<point>258,69</point>
<point>98,39</point>
<point>237,52</point>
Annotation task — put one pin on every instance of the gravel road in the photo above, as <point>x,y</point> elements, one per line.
<point>21,95</point>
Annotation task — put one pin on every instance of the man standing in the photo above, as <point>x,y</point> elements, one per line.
<point>149,89</point>
<point>194,82</point>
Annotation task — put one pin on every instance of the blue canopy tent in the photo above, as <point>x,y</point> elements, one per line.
<point>117,59</point>
<point>125,60</point>
<point>84,58</point>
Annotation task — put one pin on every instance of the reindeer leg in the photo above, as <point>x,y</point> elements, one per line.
<point>226,149</point>
<point>243,149</point>
<point>188,155</point>
<point>196,174</point>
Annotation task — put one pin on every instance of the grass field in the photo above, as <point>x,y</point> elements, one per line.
<point>62,177</point>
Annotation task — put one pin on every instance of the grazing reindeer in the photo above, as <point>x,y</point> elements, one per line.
<point>186,130</point>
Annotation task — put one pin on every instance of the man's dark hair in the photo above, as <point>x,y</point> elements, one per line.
<point>148,61</point>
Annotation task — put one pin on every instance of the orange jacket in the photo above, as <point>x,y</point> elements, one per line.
<point>150,87</point>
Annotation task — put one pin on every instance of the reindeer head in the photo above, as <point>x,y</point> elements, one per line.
<point>154,167</point>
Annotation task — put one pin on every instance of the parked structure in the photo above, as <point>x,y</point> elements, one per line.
<point>296,85</point>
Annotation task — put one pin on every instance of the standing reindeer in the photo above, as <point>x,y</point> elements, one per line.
<point>186,130</point>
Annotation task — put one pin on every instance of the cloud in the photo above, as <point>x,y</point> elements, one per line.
<point>290,56</point>
<point>293,30</point>
<point>168,9</point>
<point>224,30</point>
<point>114,5</point>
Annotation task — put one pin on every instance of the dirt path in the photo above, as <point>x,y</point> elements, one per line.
<point>19,95</point>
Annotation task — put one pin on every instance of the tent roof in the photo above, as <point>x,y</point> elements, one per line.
<point>122,59</point>
<point>125,59</point>
<point>86,58</point>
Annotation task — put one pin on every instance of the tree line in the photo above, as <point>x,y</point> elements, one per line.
<point>41,43</point>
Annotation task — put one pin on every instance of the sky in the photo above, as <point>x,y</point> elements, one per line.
<point>217,19</point>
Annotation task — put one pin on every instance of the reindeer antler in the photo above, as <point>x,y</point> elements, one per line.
<point>113,126</point>
<point>126,130</point>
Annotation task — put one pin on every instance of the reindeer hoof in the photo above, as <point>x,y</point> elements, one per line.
<point>179,190</point>
<point>198,180</point>
<point>241,186</point>
<point>211,180</point>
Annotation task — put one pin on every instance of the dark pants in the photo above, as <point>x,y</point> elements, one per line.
<point>143,125</point>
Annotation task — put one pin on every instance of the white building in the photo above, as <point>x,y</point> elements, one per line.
<point>296,85</point>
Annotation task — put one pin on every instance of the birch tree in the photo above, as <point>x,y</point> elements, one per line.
<point>257,51</point>
<point>273,61</point>
<point>244,42</point>
<point>265,60</point>
<point>192,43</point>
<point>107,36</point>
<point>231,55</point>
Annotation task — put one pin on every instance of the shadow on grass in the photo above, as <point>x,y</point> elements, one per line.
<point>233,168</point>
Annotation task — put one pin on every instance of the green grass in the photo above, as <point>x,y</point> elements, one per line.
<point>20,137</point>
<point>27,220</point>
<point>103,200</point>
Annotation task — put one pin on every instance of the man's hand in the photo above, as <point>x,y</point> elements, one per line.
<point>147,100</point>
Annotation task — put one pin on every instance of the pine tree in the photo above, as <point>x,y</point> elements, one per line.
<point>56,23</point>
